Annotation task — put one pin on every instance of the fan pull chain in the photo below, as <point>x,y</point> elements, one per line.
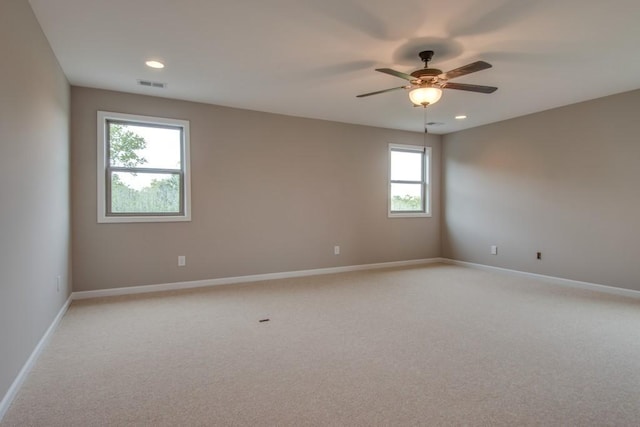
<point>425,129</point>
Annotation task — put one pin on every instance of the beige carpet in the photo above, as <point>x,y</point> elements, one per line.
<point>436,345</point>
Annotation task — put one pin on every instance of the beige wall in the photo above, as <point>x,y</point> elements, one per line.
<point>564,182</point>
<point>34,187</point>
<point>271,193</point>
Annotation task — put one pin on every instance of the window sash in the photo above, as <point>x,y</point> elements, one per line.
<point>108,122</point>
<point>423,197</point>
<point>109,199</point>
<point>109,170</point>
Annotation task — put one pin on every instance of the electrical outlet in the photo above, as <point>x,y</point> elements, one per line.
<point>539,255</point>
<point>494,250</point>
<point>182,261</point>
<point>336,250</point>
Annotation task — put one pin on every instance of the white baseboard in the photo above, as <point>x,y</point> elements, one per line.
<point>556,280</point>
<point>244,279</point>
<point>26,368</point>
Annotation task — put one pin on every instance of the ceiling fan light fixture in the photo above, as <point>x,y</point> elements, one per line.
<point>425,95</point>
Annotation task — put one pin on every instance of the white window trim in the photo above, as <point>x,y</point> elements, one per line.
<point>427,182</point>
<point>102,158</point>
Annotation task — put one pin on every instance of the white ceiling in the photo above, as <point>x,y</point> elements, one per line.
<point>311,58</point>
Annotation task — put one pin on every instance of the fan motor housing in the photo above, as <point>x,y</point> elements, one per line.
<point>426,73</point>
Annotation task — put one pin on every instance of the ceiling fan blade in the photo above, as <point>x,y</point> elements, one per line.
<point>465,69</point>
<point>470,88</point>
<point>381,91</point>
<point>396,73</point>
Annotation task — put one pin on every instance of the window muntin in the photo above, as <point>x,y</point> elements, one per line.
<point>409,193</point>
<point>143,169</point>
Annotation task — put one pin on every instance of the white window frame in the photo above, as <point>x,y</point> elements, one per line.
<point>426,180</point>
<point>103,158</point>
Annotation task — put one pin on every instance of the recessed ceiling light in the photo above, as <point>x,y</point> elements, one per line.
<point>154,64</point>
<point>461,117</point>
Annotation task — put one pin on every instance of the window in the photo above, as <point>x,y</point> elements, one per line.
<point>143,168</point>
<point>409,192</point>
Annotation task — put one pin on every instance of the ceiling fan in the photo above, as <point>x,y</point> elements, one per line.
<point>427,83</point>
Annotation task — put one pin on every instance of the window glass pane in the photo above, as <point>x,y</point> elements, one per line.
<point>133,145</point>
<point>145,192</point>
<point>406,166</point>
<point>406,197</point>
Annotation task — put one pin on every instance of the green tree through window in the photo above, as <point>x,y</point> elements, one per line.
<point>123,146</point>
<point>407,203</point>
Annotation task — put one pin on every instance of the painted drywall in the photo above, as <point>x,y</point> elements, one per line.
<point>563,182</point>
<point>270,193</point>
<point>34,187</point>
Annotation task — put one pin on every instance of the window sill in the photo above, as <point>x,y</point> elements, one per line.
<point>130,219</point>
<point>409,215</point>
